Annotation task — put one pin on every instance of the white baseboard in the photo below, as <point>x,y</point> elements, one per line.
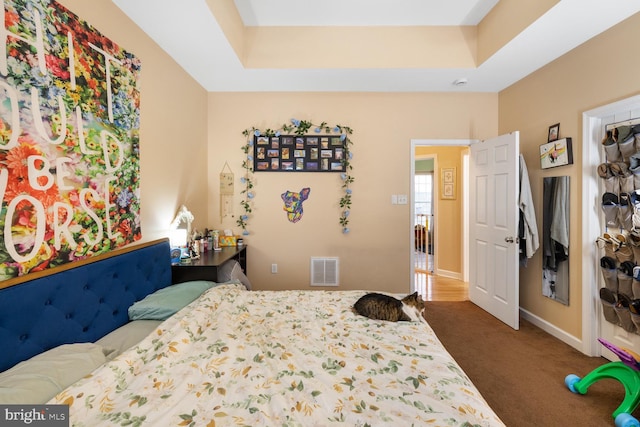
<point>552,329</point>
<point>449,274</point>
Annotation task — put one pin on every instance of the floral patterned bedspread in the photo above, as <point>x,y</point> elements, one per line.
<point>280,358</point>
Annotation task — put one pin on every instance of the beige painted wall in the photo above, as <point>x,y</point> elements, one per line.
<point>599,72</point>
<point>173,130</point>
<point>505,21</point>
<point>376,253</point>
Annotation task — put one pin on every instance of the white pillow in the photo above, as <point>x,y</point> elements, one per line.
<point>231,271</point>
<point>39,379</point>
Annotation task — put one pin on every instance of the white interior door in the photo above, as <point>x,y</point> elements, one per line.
<point>493,227</point>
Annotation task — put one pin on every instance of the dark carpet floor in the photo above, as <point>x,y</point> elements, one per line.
<point>521,373</point>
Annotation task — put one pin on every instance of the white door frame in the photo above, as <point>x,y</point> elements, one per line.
<point>591,226</point>
<point>465,205</point>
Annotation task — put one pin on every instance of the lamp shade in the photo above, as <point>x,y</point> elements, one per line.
<point>178,238</point>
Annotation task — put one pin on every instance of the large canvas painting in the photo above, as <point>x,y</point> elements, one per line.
<point>69,139</point>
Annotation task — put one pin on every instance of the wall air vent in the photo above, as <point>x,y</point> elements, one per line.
<point>324,271</point>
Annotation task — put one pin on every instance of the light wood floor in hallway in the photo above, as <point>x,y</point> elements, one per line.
<point>438,288</point>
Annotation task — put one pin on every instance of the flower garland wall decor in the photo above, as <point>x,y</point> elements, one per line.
<point>299,128</point>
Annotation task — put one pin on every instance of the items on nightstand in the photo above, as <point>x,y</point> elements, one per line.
<point>228,241</point>
<point>180,236</point>
<point>176,253</point>
<point>207,266</point>
<point>194,249</point>
<point>212,240</point>
<point>216,240</point>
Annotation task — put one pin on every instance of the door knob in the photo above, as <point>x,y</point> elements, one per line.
<point>509,239</point>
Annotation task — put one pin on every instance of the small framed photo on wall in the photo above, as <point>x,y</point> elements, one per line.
<point>448,183</point>
<point>554,132</point>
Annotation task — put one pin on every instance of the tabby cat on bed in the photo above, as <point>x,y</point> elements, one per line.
<point>384,307</point>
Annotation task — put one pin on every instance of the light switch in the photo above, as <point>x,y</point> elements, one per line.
<point>402,199</point>
<point>394,199</point>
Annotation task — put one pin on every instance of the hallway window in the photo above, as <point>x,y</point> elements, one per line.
<point>423,197</point>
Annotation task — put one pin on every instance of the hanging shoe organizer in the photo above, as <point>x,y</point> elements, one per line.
<point>620,243</point>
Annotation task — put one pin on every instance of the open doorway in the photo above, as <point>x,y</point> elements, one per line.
<point>423,215</point>
<point>432,277</point>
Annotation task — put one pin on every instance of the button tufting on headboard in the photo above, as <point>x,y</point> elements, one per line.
<point>79,304</point>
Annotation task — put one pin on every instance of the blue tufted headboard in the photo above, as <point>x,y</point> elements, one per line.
<point>79,304</point>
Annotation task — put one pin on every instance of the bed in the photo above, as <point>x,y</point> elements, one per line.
<point>230,356</point>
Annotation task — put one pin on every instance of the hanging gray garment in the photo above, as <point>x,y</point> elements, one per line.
<point>560,214</point>
<point>548,256</point>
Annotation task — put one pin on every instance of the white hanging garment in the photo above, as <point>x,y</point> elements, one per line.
<point>528,215</point>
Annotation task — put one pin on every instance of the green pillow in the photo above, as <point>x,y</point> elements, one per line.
<point>166,302</point>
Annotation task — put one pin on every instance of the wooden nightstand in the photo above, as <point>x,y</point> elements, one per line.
<point>206,267</point>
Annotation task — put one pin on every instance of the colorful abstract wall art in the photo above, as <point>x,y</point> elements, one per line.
<point>69,139</point>
<point>293,203</point>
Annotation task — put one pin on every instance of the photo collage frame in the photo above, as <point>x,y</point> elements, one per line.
<point>299,153</point>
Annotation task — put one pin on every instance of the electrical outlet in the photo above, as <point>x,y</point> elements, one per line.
<point>402,199</point>
<point>274,268</point>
